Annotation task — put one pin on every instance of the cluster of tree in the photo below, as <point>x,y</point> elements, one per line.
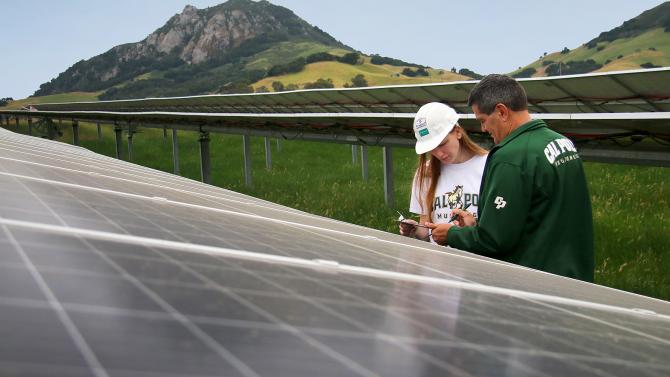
<point>298,64</point>
<point>572,67</point>
<point>5,101</point>
<point>527,72</point>
<point>278,86</point>
<point>649,65</point>
<point>565,50</point>
<point>357,81</point>
<point>467,72</point>
<point>409,72</point>
<point>320,84</point>
<point>379,60</point>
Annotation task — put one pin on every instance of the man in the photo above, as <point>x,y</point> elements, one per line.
<point>534,206</point>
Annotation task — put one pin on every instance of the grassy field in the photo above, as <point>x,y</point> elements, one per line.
<point>631,204</point>
<point>64,97</point>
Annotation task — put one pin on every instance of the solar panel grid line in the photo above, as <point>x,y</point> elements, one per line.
<point>82,346</point>
<point>211,343</point>
<point>318,266</point>
<point>405,318</point>
<point>172,180</point>
<point>322,347</point>
<point>215,199</point>
<point>632,92</point>
<point>161,186</point>
<point>223,211</point>
<point>149,313</point>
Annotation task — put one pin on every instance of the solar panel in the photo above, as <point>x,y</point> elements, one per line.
<point>108,268</point>
<point>625,91</point>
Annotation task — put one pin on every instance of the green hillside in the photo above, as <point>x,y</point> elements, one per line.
<point>53,98</point>
<point>651,47</point>
<point>641,42</point>
<point>342,74</point>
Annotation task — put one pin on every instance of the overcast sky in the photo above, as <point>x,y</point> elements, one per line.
<point>42,38</point>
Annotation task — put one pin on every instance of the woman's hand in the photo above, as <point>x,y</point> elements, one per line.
<point>407,227</point>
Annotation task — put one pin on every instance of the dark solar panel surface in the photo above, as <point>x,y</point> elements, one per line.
<point>110,269</point>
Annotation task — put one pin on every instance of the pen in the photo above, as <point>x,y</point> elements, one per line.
<point>454,217</point>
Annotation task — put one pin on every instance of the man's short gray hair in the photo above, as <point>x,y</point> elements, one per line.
<point>495,89</point>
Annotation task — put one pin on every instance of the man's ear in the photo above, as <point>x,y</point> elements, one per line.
<point>503,111</point>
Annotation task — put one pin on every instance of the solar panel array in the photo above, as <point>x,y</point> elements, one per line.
<point>622,92</point>
<point>111,269</point>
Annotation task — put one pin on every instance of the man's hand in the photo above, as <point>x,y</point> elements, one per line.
<point>464,218</point>
<point>439,232</point>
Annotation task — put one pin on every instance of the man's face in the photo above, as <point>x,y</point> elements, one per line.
<point>493,123</point>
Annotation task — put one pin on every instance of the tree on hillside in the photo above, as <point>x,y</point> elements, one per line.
<point>278,86</point>
<point>320,84</point>
<point>357,81</point>
<point>5,101</point>
<point>565,50</point>
<point>292,87</point>
<point>350,58</point>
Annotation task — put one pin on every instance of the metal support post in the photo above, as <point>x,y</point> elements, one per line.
<point>278,145</point>
<point>247,160</point>
<point>17,123</point>
<point>164,132</point>
<point>30,126</point>
<point>388,177</point>
<point>75,133</point>
<point>364,161</point>
<point>7,120</point>
<point>51,129</point>
<point>205,166</point>
<point>130,144</point>
<point>175,152</point>
<point>117,132</point>
<point>354,154</point>
<point>99,132</point>
<point>268,154</point>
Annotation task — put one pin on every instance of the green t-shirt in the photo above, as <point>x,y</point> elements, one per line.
<point>534,205</point>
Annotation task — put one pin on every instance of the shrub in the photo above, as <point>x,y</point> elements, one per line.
<point>379,60</point>
<point>600,48</point>
<point>469,73</point>
<point>262,89</point>
<point>357,81</point>
<point>572,67</point>
<point>320,83</point>
<point>649,65</point>
<point>350,58</point>
<point>547,62</point>
<point>565,50</point>
<point>278,86</point>
<point>528,72</point>
<point>320,57</point>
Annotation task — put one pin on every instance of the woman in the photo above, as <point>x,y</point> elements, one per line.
<point>449,172</point>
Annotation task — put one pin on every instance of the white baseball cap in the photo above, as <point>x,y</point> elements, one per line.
<point>432,124</point>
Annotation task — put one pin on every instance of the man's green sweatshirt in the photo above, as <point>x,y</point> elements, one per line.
<point>534,205</point>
